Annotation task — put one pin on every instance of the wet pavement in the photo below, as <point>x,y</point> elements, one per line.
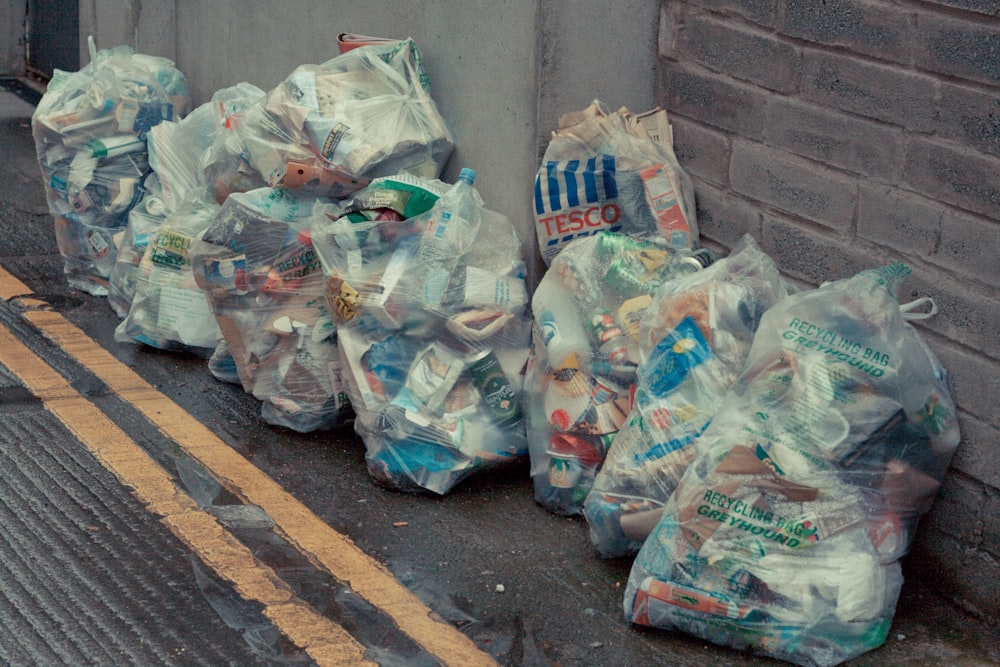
<point>98,569</point>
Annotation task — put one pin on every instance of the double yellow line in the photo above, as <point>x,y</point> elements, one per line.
<point>323,640</point>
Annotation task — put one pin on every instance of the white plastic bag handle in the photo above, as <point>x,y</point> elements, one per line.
<point>908,308</point>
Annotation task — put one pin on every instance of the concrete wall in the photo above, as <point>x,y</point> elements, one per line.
<point>501,71</point>
<point>846,134</point>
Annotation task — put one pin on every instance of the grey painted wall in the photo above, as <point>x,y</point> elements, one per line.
<point>501,71</point>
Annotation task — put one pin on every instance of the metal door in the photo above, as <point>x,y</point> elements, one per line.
<point>53,36</point>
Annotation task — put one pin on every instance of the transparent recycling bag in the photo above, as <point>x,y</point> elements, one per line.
<point>187,158</point>
<point>90,132</point>
<point>169,311</point>
<point>330,129</point>
<point>693,341</point>
<point>613,172</point>
<point>585,352</point>
<point>786,532</point>
<point>264,282</point>
<point>433,322</point>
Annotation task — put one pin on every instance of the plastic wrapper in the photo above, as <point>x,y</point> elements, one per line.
<point>188,158</point>
<point>786,532</point>
<point>582,371</point>
<point>612,172</point>
<point>693,342</point>
<point>434,324</point>
<point>330,129</point>
<point>261,275</point>
<point>90,132</point>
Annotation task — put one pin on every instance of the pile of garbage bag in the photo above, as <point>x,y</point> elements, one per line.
<point>785,534</point>
<point>433,325</point>
<point>693,341</point>
<point>90,131</point>
<point>587,310</point>
<point>765,453</point>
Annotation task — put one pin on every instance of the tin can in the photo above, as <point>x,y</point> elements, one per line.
<point>501,400</point>
<point>611,338</point>
<point>609,244</point>
<point>702,258</point>
<point>571,457</point>
<point>634,272</point>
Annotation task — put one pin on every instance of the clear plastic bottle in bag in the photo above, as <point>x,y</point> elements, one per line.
<point>453,225</point>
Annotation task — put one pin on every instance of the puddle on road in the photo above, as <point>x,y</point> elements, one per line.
<point>385,643</point>
<point>510,640</point>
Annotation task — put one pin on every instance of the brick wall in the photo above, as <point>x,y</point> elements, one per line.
<point>845,134</point>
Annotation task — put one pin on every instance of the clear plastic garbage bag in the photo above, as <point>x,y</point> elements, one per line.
<point>90,131</point>
<point>693,341</point>
<point>330,129</point>
<point>786,532</point>
<point>188,159</point>
<point>613,172</point>
<point>265,284</point>
<point>585,354</point>
<point>427,288</point>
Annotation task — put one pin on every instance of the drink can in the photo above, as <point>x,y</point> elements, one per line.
<point>501,400</point>
<point>702,258</point>
<point>610,244</point>
<point>604,326</point>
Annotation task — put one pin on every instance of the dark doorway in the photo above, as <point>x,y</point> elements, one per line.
<point>53,36</point>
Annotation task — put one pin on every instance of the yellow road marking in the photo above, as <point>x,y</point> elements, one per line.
<point>325,547</point>
<point>11,287</point>
<point>326,642</point>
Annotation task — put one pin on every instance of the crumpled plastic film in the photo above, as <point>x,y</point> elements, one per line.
<point>427,290</point>
<point>585,354</point>
<point>90,132</point>
<point>614,172</point>
<point>330,129</point>
<point>785,534</point>
<point>693,341</point>
<point>187,158</point>
<point>257,266</point>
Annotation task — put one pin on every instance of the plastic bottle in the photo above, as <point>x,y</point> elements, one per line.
<point>559,321</point>
<point>454,222</point>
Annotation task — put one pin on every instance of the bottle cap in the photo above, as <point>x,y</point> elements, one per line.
<point>467,175</point>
